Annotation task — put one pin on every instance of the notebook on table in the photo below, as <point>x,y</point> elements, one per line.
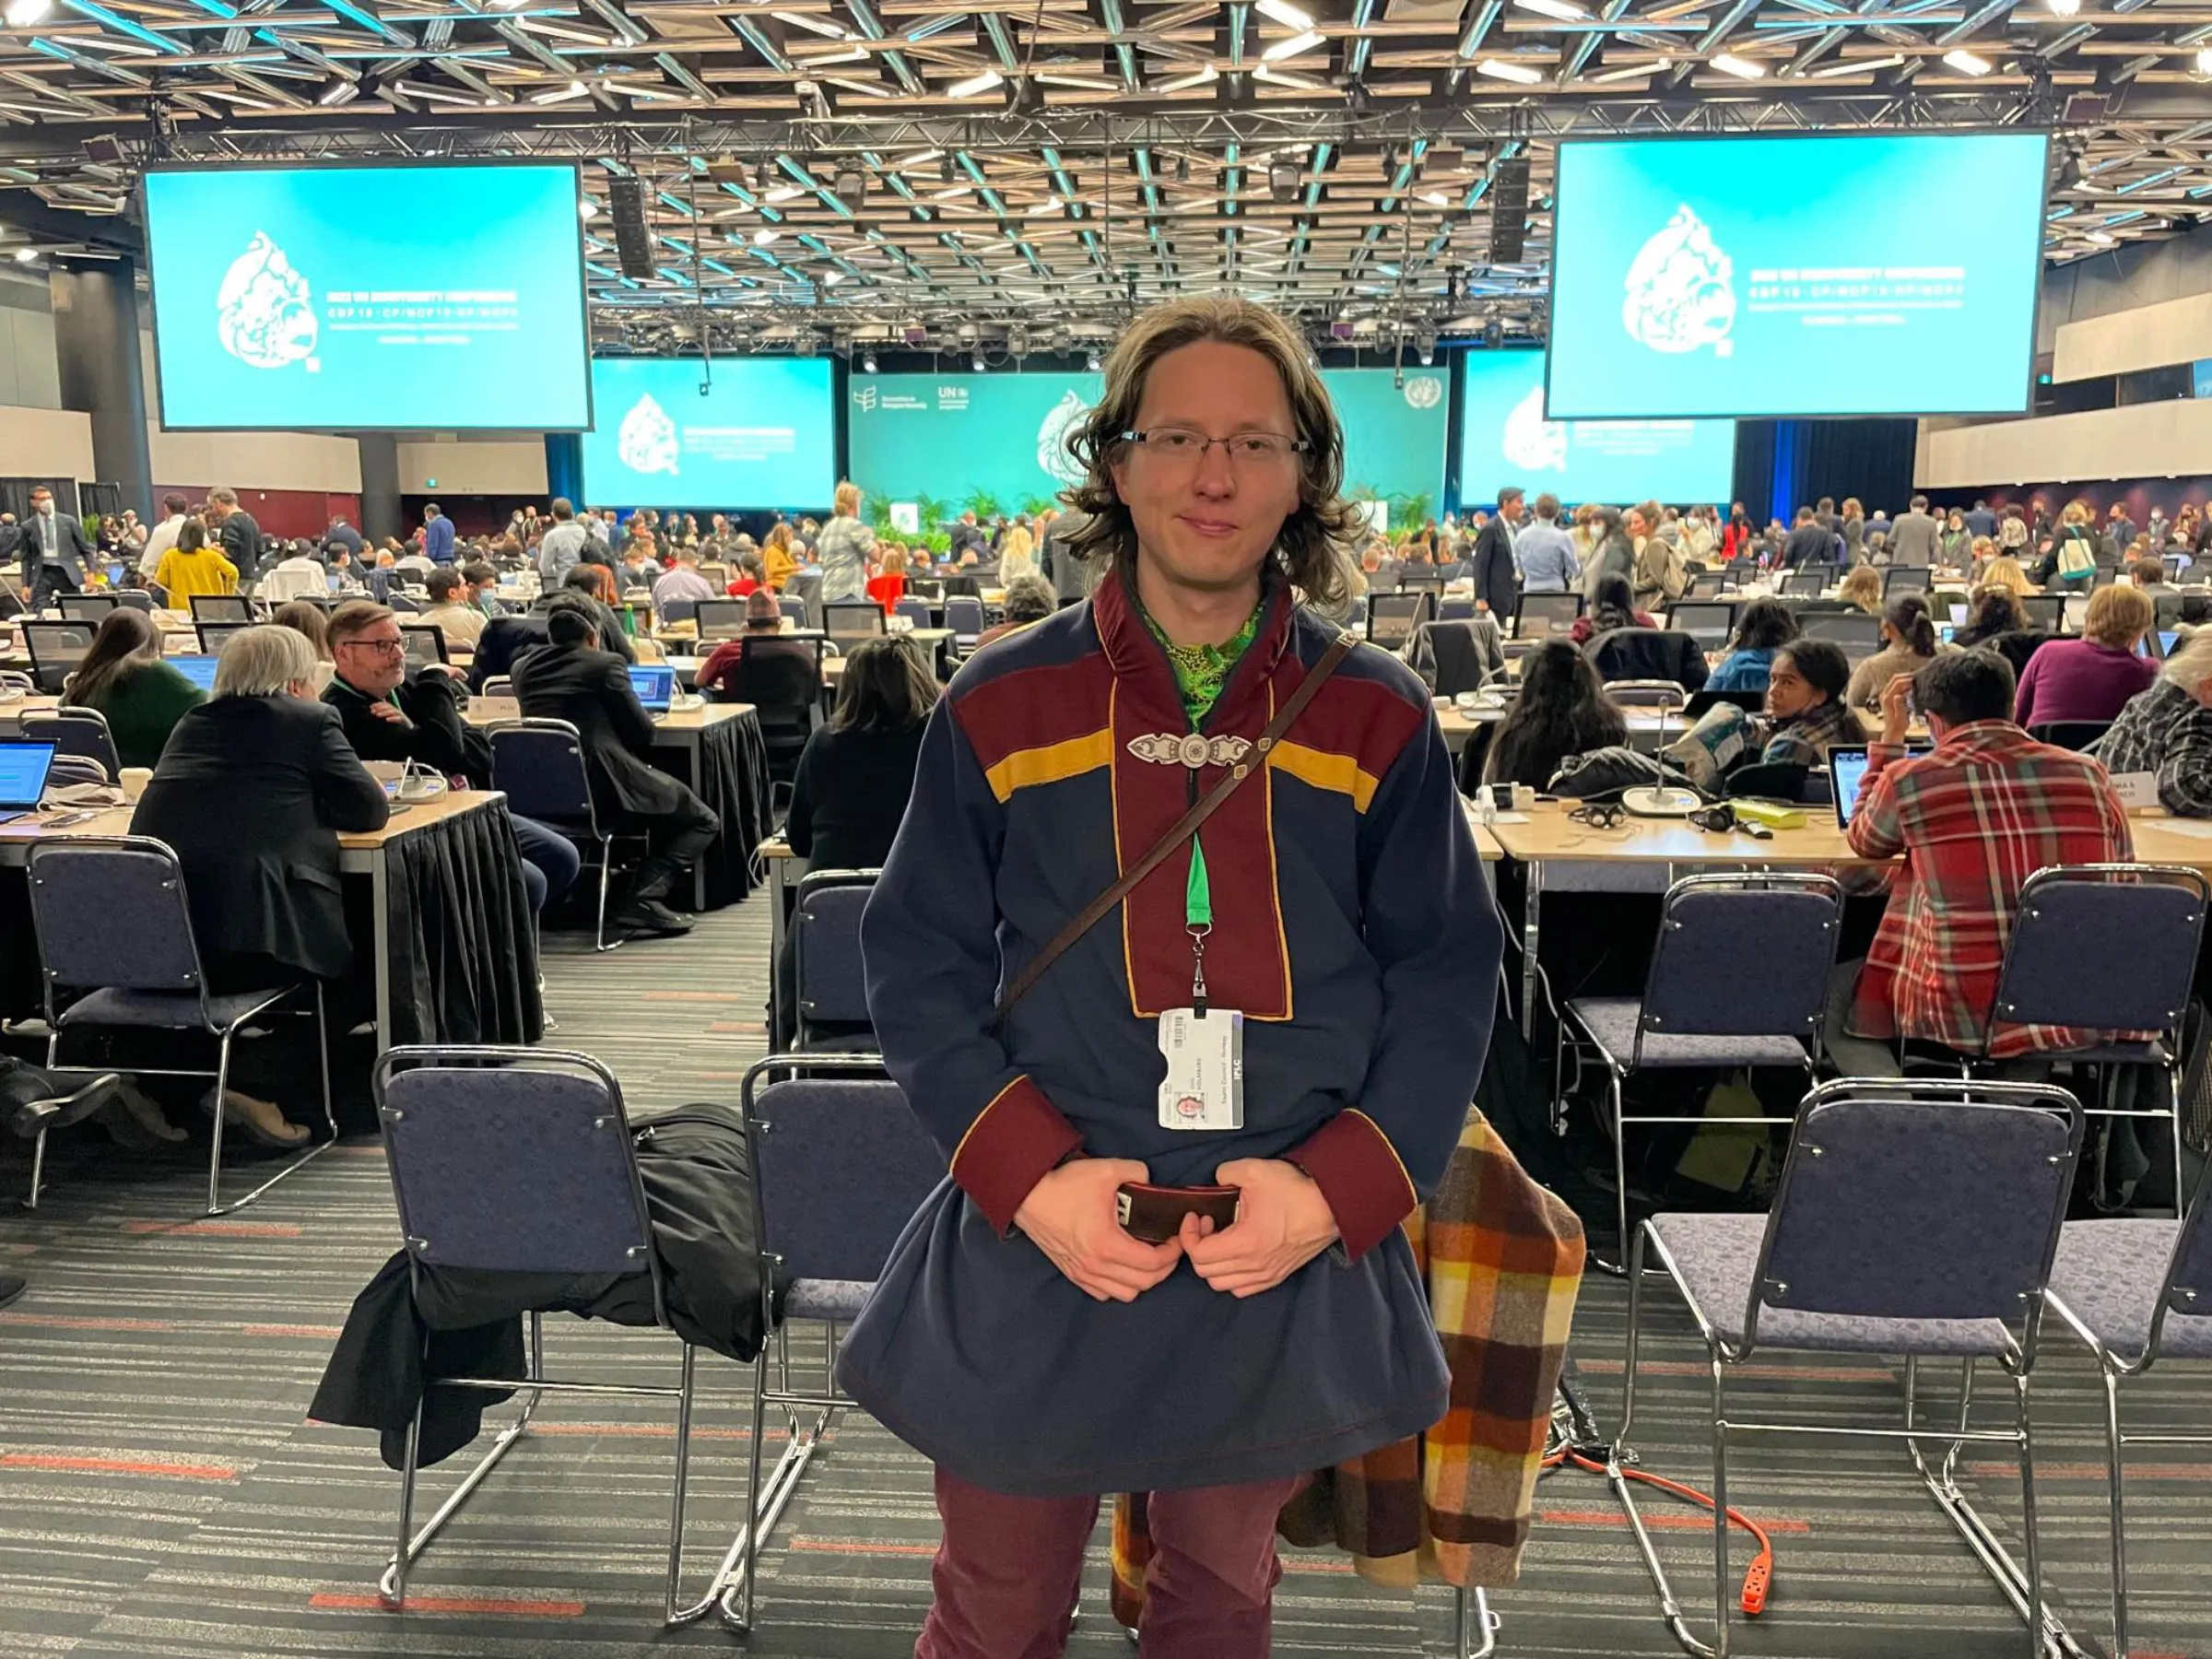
<point>1847,764</point>
<point>199,670</point>
<point>23,768</point>
<point>656,686</point>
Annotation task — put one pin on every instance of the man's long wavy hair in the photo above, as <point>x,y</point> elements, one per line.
<point>1310,547</point>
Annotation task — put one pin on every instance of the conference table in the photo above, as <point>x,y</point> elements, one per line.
<point>1557,854</point>
<point>717,751</point>
<point>453,948</point>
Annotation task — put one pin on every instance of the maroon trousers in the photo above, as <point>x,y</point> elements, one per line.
<point>1007,1574</point>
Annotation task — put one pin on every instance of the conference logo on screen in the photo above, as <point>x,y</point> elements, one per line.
<point>264,314</point>
<point>1062,418</point>
<point>1680,294</point>
<point>863,398</point>
<point>1532,443</point>
<point>645,442</point>
<point>1423,392</point>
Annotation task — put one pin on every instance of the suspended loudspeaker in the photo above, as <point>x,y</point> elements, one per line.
<point>626,201</point>
<point>1508,211</point>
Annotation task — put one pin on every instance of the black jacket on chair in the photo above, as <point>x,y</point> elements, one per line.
<point>1497,582</point>
<point>251,793</point>
<point>591,690</point>
<point>1648,653</point>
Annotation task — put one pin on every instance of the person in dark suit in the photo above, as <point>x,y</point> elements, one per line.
<point>1811,543</point>
<point>55,551</point>
<point>236,532</point>
<point>1496,579</point>
<point>571,678</point>
<point>254,789</point>
<point>1059,563</point>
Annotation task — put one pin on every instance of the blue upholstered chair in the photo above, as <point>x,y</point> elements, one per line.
<point>831,986</point>
<point>1738,979</point>
<point>81,731</point>
<point>117,952</point>
<point>539,765</point>
<point>519,1161</point>
<point>964,616</point>
<point>1913,1217</point>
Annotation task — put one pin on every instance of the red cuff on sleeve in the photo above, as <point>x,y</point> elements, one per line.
<point>1360,1173</point>
<point>1020,1137</point>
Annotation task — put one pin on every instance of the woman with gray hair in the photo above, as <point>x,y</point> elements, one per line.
<point>253,791</point>
<point>2167,731</point>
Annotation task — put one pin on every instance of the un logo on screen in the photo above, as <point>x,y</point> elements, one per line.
<point>1680,290</point>
<point>263,314</point>
<point>1423,392</point>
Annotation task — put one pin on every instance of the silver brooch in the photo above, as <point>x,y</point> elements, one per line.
<point>1192,749</point>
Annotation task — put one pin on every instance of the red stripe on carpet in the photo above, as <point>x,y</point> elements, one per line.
<point>1664,1521</point>
<point>215,1229</point>
<point>337,1602</point>
<point>117,1466</point>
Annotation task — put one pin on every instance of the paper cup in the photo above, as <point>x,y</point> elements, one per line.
<point>135,780</point>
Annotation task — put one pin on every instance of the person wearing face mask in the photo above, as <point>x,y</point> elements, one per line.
<point>2167,731</point>
<point>55,551</point>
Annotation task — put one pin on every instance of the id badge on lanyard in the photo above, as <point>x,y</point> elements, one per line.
<point>1204,1045</point>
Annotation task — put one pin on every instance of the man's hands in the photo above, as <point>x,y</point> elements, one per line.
<point>1073,1217</point>
<point>387,711</point>
<point>1897,708</point>
<point>1283,1222</point>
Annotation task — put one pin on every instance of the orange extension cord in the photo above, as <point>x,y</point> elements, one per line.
<point>1760,1575</point>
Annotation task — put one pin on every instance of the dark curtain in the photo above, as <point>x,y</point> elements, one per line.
<point>564,467</point>
<point>1781,465</point>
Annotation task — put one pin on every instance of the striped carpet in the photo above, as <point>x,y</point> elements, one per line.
<point>162,1494</point>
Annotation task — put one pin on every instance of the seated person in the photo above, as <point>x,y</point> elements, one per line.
<point>484,590</point>
<point>637,568</point>
<point>2167,731</point>
<point>194,566</point>
<point>1028,599</point>
<point>750,575</point>
<point>2148,572</point>
<point>311,623</point>
<point>450,610</point>
<point>1992,611</point>
<point>571,678</point>
<point>1973,820</point>
<point>296,574</point>
<point>1613,605</point>
<point>1863,587</point>
<point>1762,627</point>
<point>889,585</point>
<point>121,674</point>
<point>1807,713</point>
<point>390,713</point>
<point>253,791</point>
<point>1562,710</point>
<point>857,772</point>
<point>2091,678</point>
<point>1907,643</point>
<point>684,583</point>
<point>763,618</point>
<point>596,582</point>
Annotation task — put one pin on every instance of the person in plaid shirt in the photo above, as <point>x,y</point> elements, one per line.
<point>2167,731</point>
<point>1974,819</point>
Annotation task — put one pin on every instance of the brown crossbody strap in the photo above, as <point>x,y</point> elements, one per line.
<point>1182,828</point>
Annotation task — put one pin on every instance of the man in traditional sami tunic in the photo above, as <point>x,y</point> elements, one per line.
<point>1324,940</point>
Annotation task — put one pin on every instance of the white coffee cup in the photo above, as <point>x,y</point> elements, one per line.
<point>135,779</point>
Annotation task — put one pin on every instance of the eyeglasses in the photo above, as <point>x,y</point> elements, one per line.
<point>388,647</point>
<point>1183,449</point>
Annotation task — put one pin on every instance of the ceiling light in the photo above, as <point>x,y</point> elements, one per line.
<point>22,14</point>
<point>821,26</point>
<point>1630,72</point>
<point>975,83</point>
<point>1276,74</point>
<point>761,238</point>
<point>1283,12</point>
<point>1283,183</point>
<point>1505,69</point>
<point>1566,11</point>
<point>339,92</point>
<point>587,208</point>
<point>867,362</point>
<point>1184,83</point>
<point>831,279</point>
<point>1294,46</point>
<point>978,360</point>
<point>783,192</point>
<point>2065,9</point>
<point>1853,66</point>
<point>2204,60</point>
<point>24,255</point>
<point>2101,238</point>
<point>1743,68</point>
<point>1965,62</point>
<point>1091,362</point>
<point>851,185</point>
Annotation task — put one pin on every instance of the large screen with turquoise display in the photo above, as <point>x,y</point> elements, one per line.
<point>1504,439</point>
<point>432,295</point>
<point>1394,436</point>
<point>738,433</point>
<point>1860,274</point>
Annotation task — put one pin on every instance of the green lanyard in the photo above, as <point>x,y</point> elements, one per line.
<point>1198,917</point>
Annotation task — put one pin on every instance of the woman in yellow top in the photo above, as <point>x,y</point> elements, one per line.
<point>777,557</point>
<point>193,567</point>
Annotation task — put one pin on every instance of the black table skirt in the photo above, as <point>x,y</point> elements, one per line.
<point>732,781</point>
<point>464,952</point>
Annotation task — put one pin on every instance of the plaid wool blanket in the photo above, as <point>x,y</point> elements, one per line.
<point>1504,1263</point>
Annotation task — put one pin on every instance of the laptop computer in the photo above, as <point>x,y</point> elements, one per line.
<point>656,686</point>
<point>199,670</point>
<point>1847,764</point>
<point>23,769</point>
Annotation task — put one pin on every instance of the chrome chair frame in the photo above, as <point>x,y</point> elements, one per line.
<point>1617,1072</point>
<point>2022,1587</point>
<point>2168,1040</point>
<point>2112,1367</point>
<point>392,1587</point>
<point>224,1034</point>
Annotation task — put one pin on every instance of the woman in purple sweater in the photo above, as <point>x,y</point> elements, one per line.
<point>2092,678</point>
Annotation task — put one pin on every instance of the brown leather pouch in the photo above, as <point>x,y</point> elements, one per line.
<point>1153,1215</point>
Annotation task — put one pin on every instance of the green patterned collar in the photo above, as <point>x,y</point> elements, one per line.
<point>1201,671</point>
